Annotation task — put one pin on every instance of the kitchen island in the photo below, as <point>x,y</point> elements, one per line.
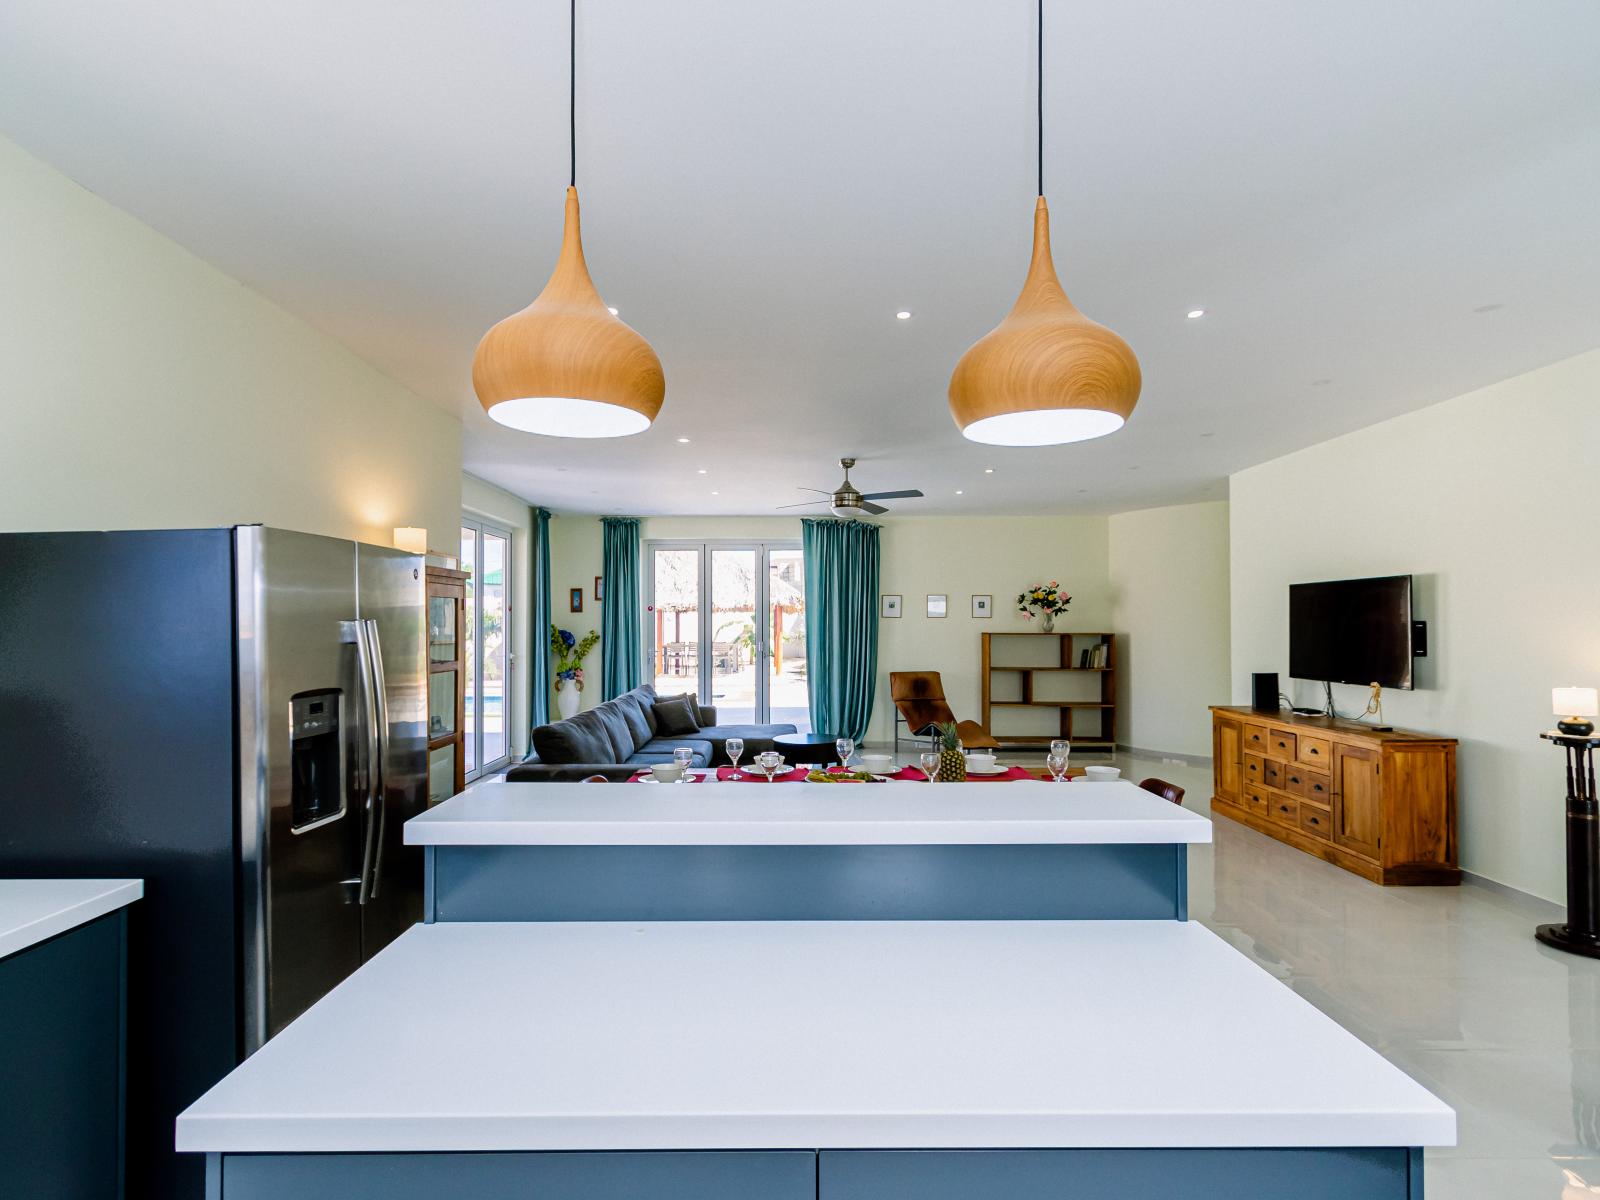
<point>805,851</point>
<point>831,1060</point>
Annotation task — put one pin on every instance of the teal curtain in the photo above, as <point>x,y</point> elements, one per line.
<point>841,624</point>
<point>539,623</point>
<point>621,652</point>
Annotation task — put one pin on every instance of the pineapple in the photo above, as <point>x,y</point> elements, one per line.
<point>952,763</point>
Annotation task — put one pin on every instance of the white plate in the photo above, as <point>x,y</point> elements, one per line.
<point>997,769</point>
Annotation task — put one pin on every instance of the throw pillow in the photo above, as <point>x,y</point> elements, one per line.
<point>676,717</point>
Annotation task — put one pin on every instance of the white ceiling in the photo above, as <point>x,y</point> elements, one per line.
<point>1343,187</point>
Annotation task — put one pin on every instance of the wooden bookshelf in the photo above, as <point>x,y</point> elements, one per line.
<point>1017,673</point>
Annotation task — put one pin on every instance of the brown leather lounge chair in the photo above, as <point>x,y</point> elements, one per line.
<point>919,701</point>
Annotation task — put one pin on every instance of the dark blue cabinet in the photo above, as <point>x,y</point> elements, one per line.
<point>61,1064</point>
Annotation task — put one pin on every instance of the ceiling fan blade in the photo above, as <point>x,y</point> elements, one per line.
<point>905,495</point>
<point>876,510</point>
<point>807,503</point>
<point>819,491</point>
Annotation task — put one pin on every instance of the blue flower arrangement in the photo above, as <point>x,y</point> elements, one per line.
<point>570,653</point>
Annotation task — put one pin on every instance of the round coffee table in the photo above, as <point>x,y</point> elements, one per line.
<point>808,748</point>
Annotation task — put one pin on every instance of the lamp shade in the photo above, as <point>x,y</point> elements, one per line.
<point>1575,702</point>
<point>565,365</point>
<point>1047,374</point>
<point>411,539</point>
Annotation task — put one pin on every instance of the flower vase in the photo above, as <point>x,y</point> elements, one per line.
<point>1048,624</point>
<point>567,698</point>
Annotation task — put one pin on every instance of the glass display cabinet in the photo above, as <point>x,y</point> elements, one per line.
<point>447,682</point>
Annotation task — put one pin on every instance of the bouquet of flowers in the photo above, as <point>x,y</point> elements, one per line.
<point>1045,600</point>
<point>570,653</point>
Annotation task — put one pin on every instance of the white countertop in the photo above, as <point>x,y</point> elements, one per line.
<point>32,910</point>
<point>803,814</point>
<point>713,1035</point>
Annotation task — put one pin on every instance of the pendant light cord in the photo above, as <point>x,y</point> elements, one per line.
<point>1040,113</point>
<point>572,93</point>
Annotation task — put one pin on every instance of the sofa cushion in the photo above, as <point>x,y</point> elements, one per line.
<point>582,739</point>
<point>610,715</point>
<point>661,750</point>
<point>756,739</point>
<point>676,717</point>
<point>703,714</point>
<point>632,710</point>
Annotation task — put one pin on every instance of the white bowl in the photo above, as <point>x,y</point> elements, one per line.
<point>1102,774</point>
<point>982,762</point>
<point>877,763</point>
<point>666,772</point>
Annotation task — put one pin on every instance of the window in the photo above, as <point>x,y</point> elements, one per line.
<point>726,620</point>
<point>486,553</point>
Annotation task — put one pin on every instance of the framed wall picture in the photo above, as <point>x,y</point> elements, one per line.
<point>575,598</point>
<point>938,606</point>
<point>983,607</point>
<point>889,606</point>
<point>599,590</point>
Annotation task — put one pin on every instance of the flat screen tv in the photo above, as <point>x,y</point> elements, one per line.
<point>1352,631</point>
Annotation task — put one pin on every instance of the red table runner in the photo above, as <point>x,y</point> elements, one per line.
<point>914,775</point>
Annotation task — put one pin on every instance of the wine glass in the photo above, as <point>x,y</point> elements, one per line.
<point>846,747</point>
<point>735,753</point>
<point>1057,764</point>
<point>684,757</point>
<point>930,765</point>
<point>1060,746</point>
<point>768,761</point>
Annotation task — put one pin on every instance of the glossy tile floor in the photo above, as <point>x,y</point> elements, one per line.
<point>1447,983</point>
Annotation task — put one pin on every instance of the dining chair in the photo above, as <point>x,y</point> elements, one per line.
<point>594,779</point>
<point>1167,791</point>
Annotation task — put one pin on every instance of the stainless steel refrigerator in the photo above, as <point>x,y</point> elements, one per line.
<point>237,716</point>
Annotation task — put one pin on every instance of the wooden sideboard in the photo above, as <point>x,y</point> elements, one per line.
<point>1382,805</point>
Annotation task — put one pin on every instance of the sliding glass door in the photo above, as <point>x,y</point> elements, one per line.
<point>726,621</point>
<point>486,554</point>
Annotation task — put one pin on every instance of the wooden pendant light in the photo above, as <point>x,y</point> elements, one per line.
<point>1047,374</point>
<point>565,365</point>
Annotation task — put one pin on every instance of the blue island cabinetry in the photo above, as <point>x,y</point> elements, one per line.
<point>63,1003</point>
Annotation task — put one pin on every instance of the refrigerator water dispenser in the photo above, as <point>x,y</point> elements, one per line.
<point>317,793</point>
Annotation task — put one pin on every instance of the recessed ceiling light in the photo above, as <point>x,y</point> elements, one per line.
<point>716,493</point>
<point>988,470</point>
<point>1321,382</point>
<point>683,441</point>
<point>702,471</point>
<point>1195,314</point>
<point>903,315</point>
<point>959,492</point>
<point>611,310</point>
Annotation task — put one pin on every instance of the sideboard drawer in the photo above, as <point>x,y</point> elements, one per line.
<point>1257,738</point>
<point>1284,809</point>
<point>1256,801</point>
<point>1316,820</point>
<point>1281,745</point>
<point>1253,769</point>
<point>1293,777</point>
<point>1272,772</point>
<point>1314,750</point>
<point>1318,787</point>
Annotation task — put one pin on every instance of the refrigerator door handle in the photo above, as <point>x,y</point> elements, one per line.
<point>369,712</point>
<point>380,693</point>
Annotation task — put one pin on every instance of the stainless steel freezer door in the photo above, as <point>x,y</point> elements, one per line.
<point>302,921</point>
<point>391,596</point>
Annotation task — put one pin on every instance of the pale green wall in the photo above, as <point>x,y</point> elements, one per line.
<point>143,388</point>
<point>1488,499</point>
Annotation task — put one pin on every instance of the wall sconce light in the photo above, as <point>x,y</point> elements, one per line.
<point>411,539</point>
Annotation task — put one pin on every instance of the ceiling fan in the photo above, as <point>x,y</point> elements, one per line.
<point>846,501</point>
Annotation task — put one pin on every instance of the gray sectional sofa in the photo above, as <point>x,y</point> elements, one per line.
<point>618,737</point>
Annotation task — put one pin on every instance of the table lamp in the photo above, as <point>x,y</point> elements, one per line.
<point>1575,705</point>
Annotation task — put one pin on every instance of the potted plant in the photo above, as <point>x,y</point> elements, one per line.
<point>1045,600</point>
<point>570,653</point>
